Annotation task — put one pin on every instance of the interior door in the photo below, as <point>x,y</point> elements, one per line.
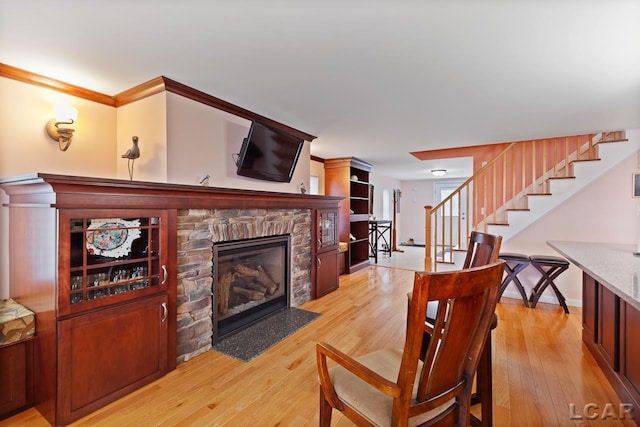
<point>455,218</point>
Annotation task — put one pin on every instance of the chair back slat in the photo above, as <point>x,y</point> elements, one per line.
<point>483,249</point>
<point>467,300</point>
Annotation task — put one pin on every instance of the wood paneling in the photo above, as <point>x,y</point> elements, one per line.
<point>589,308</point>
<point>608,326</point>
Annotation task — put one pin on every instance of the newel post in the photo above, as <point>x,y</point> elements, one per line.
<point>428,262</point>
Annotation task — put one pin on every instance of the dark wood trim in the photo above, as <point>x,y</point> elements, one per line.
<point>317,159</point>
<point>199,96</point>
<point>139,92</point>
<point>152,87</point>
<point>347,161</point>
<point>57,85</point>
<point>98,193</point>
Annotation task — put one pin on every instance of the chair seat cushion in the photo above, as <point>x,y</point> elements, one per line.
<point>371,403</point>
<point>548,260</point>
<point>514,257</point>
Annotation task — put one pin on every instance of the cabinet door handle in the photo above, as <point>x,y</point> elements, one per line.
<point>165,274</point>
<point>319,243</point>
<point>165,312</point>
<point>318,263</point>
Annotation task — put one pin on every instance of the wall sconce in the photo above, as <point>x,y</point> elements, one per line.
<point>64,115</point>
<point>438,172</point>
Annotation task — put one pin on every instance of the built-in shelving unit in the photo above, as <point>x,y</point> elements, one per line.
<point>349,178</point>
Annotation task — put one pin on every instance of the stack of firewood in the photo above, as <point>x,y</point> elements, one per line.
<point>244,283</point>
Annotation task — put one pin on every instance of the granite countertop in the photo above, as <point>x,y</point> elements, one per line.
<point>16,322</point>
<point>611,264</point>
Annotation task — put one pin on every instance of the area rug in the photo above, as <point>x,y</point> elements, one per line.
<point>249,343</point>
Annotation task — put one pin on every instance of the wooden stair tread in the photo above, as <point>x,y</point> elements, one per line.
<point>562,177</point>
<point>518,209</point>
<point>584,160</point>
<point>613,140</point>
<point>538,194</point>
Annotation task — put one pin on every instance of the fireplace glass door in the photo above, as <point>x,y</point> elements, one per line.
<point>251,281</point>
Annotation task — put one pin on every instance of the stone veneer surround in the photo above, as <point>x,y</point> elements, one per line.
<point>198,230</point>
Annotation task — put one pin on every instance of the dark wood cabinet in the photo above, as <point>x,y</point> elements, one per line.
<point>326,252</point>
<point>16,377</point>
<point>611,332</point>
<point>327,278</point>
<point>349,178</point>
<point>608,336</point>
<point>101,281</point>
<point>112,306</point>
<point>589,307</point>
<point>107,353</point>
<point>630,350</point>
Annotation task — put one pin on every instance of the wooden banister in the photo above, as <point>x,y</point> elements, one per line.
<point>520,170</point>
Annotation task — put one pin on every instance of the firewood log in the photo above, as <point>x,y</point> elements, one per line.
<point>252,295</point>
<point>272,286</point>
<point>260,275</point>
<point>224,289</point>
<point>255,286</point>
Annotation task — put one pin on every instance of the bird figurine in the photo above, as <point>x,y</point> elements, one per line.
<point>303,189</point>
<point>134,151</point>
<point>205,181</point>
<point>131,155</point>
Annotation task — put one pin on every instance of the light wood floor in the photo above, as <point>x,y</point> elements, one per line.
<point>540,367</point>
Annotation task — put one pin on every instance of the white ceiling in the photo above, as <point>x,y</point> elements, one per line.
<point>372,79</point>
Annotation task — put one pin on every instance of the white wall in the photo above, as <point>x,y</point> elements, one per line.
<point>415,196</point>
<point>202,140</point>
<point>26,148</point>
<point>317,169</point>
<point>604,211</point>
<point>146,119</point>
<point>380,184</point>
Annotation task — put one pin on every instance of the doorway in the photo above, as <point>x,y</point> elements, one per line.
<point>454,227</point>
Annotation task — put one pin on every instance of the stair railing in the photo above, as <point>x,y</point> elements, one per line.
<point>523,169</point>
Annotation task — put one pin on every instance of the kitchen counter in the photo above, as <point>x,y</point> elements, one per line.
<point>610,311</point>
<point>611,264</point>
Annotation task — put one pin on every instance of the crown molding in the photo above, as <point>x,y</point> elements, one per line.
<point>57,85</point>
<point>144,90</point>
<point>139,92</point>
<point>204,98</point>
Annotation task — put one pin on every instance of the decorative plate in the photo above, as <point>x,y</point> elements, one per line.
<point>112,237</point>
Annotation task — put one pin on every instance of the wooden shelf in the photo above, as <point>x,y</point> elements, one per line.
<point>354,208</point>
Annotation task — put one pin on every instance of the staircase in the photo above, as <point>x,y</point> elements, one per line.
<point>520,185</point>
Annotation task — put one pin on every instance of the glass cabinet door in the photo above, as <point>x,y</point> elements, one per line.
<point>110,259</point>
<point>327,229</point>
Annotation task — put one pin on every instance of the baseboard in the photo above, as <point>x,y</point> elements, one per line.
<point>544,298</point>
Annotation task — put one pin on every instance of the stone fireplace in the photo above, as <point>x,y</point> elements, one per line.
<point>250,282</point>
<point>200,231</point>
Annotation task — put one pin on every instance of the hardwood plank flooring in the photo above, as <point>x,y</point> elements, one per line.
<point>540,368</point>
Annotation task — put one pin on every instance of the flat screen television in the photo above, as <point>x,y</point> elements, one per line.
<point>268,154</point>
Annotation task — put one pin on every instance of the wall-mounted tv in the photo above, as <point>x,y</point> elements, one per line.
<point>268,154</point>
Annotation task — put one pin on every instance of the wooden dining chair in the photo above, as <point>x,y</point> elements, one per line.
<point>394,387</point>
<point>483,249</point>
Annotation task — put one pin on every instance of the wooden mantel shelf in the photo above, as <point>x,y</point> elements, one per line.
<point>64,191</point>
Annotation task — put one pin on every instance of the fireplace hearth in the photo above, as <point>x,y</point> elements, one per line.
<point>250,282</point>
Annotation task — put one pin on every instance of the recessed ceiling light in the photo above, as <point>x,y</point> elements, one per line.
<point>438,172</point>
